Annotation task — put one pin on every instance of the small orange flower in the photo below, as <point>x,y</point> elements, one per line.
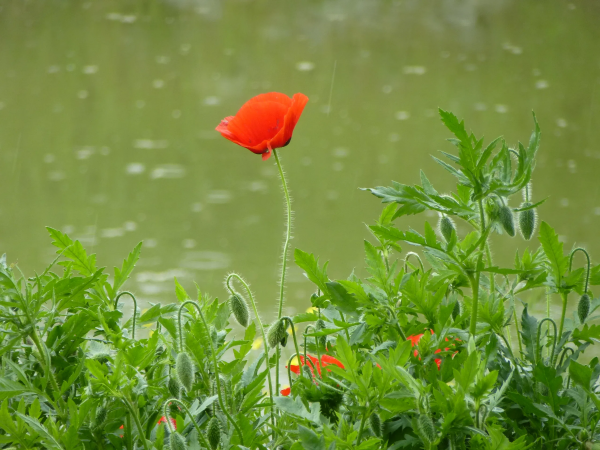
<point>325,361</point>
<point>264,122</point>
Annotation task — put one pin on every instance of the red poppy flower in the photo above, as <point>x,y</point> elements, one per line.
<point>287,391</point>
<point>264,122</point>
<point>325,361</point>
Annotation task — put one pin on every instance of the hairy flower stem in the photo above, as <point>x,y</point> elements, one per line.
<point>288,233</point>
<point>564,296</point>
<point>216,368</point>
<point>262,330</point>
<point>187,411</point>
<point>475,280</point>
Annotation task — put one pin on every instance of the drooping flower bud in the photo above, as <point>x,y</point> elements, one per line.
<point>426,428</point>
<point>185,370</point>
<point>101,413</point>
<point>319,326</point>
<point>174,387</point>
<point>277,334</point>
<point>240,309</point>
<point>527,221</point>
<point>213,433</point>
<point>507,220</point>
<point>583,307</point>
<point>375,423</point>
<point>177,441</point>
<point>456,310</point>
<point>446,226</point>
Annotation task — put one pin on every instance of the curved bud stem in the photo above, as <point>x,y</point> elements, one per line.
<point>187,411</point>
<point>589,264</point>
<point>215,366</point>
<point>562,356</point>
<point>262,329</point>
<point>407,257</point>
<point>538,353</point>
<point>134,308</point>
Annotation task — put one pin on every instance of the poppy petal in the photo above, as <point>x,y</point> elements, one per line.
<point>292,116</point>
<point>285,392</point>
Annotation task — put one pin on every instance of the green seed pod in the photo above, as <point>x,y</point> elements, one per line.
<point>507,220</point>
<point>583,308</point>
<point>174,387</point>
<point>177,441</point>
<point>492,207</point>
<point>527,220</point>
<point>213,433</point>
<point>375,422</point>
<point>446,226</point>
<point>426,428</point>
<point>277,334</point>
<point>100,417</point>
<point>240,309</point>
<point>319,326</point>
<point>185,370</point>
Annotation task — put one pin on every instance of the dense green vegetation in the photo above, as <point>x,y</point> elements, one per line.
<point>427,352</point>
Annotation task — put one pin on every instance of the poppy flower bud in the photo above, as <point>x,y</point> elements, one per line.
<point>375,423</point>
<point>583,307</point>
<point>177,441</point>
<point>277,334</point>
<point>240,309</point>
<point>456,310</point>
<point>213,433</point>
<point>426,428</point>
<point>185,370</point>
<point>174,387</point>
<point>101,413</point>
<point>319,326</point>
<point>446,226</point>
<point>527,221</point>
<point>507,220</point>
<point>493,209</point>
<point>307,371</point>
<point>541,388</point>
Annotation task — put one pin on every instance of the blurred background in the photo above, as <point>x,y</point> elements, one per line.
<point>108,110</point>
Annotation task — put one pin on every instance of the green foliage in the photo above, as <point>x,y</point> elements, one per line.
<point>419,354</point>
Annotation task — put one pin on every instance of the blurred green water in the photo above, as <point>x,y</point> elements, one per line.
<point>108,109</point>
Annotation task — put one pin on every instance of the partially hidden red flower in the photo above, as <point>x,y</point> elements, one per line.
<point>264,122</point>
<point>414,340</point>
<point>325,361</point>
<point>163,419</point>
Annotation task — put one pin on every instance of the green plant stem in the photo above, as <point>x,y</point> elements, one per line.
<point>262,329</point>
<point>402,335</point>
<point>43,357</point>
<point>187,411</point>
<point>362,424</point>
<point>136,419</point>
<point>548,312</point>
<point>134,308</point>
<point>564,296</point>
<point>316,345</point>
<point>475,288</point>
<point>288,233</point>
<point>475,280</point>
<point>291,322</point>
<point>216,368</point>
<point>514,306</point>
